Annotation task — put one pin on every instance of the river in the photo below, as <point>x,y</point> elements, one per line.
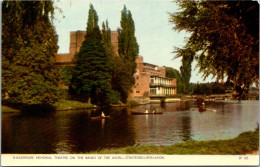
<point>75,132</point>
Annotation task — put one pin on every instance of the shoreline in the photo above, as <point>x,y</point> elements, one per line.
<point>66,105</point>
<point>247,143</point>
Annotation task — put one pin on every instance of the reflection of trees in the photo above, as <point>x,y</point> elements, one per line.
<point>184,105</point>
<point>178,106</point>
<point>90,135</point>
<point>29,134</point>
<point>186,127</point>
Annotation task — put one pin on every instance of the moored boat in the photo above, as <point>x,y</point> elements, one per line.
<point>100,117</point>
<point>145,113</point>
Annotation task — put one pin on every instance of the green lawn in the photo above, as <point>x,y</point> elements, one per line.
<point>60,105</point>
<point>244,143</point>
<point>70,105</point>
<point>8,109</point>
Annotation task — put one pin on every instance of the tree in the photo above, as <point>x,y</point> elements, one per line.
<point>106,38</point>
<point>91,74</point>
<point>173,73</point>
<point>113,62</point>
<point>66,74</point>
<point>29,46</point>
<point>187,58</point>
<point>128,50</point>
<point>223,39</point>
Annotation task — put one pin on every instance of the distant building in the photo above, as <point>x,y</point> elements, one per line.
<point>150,80</point>
<point>76,39</point>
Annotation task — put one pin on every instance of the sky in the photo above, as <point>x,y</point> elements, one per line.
<point>154,32</point>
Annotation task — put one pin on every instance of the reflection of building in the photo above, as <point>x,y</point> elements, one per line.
<point>150,80</point>
<point>76,39</point>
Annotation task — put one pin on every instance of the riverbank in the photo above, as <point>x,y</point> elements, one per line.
<point>245,143</point>
<point>72,105</point>
<point>61,105</point>
<point>9,109</point>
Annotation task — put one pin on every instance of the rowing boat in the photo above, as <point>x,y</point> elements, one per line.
<point>99,117</point>
<point>145,113</point>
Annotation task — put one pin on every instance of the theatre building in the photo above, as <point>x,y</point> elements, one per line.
<point>150,80</point>
<point>76,39</point>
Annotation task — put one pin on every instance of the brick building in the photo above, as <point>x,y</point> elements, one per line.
<point>150,79</point>
<point>76,39</point>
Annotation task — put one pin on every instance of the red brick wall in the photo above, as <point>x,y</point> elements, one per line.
<point>76,39</point>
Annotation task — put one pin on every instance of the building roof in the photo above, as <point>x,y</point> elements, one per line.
<point>161,77</point>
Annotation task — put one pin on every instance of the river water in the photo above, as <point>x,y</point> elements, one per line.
<point>75,131</point>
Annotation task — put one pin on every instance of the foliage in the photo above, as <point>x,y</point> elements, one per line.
<point>71,105</point>
<point>224,39</point>
<point>122,80</point>
<point>209,88</point>
<point>66,75</point>
<point>106,38</point>
<point>29,46</point>
<point>173,73</point>
<point>128,50</point>
<point>187,58</point>
<point>244,143</point>
<point>91,75</point>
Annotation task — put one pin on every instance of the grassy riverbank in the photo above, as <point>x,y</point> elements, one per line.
<point>60,105</point>
<point>245,143</point>
<point>8,109</point>
<point>71,105</point>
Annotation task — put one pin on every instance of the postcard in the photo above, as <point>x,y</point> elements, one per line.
<point>130,82</point>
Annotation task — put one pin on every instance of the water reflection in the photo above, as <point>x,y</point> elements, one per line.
<point>76,132</point>
<point>171,127</point>
<point>28,134</point>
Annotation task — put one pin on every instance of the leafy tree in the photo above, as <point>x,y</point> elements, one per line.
<point>66,74</point>
<point>106,38</point>
<point>113,61</point>
<point>173,73</point>
<point>209,88</point>
<point>224,39</point>
<point>128,50</point>
<point>91,74</point>
<point>187,58</point>
<point>29,46</point>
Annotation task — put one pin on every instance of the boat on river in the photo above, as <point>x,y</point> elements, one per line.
<point>103,116</point>
<point>202,108</point>
<point>99,117</point>
<point>145,113</point>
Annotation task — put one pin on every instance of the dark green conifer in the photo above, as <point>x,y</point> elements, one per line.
<point>128,51</point>
<point>91,75</point>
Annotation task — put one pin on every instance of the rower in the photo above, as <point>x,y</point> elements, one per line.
<point>103,114</point>
<point>146,111</point>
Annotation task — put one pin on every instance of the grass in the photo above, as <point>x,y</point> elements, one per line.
<point>245,143</point>
<point>69,105</point>
<point>60,105</point>
<point>8,109</point>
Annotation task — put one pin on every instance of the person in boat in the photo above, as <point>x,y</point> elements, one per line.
<point>146,111</point>
<point>103,114</point>
<point>154,110</point>
<point>202,107</point>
